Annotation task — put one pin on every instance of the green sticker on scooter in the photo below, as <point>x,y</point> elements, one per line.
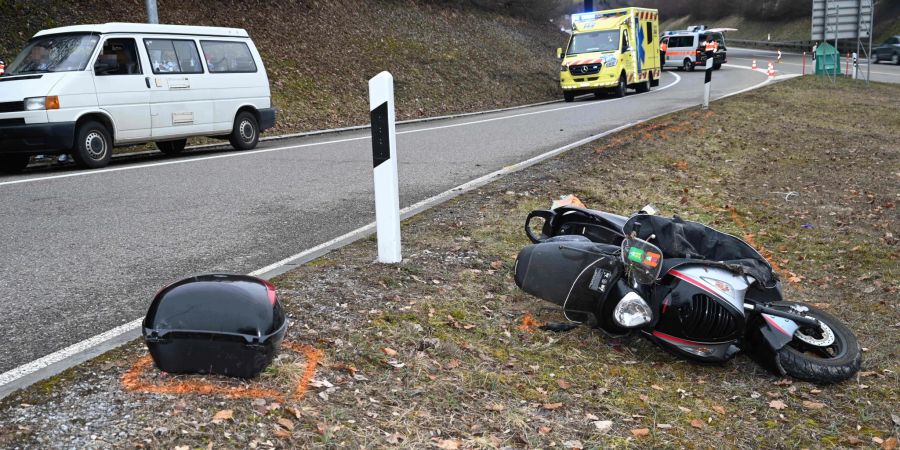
<point>636,254</point>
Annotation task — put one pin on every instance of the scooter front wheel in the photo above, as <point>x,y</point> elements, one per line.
<point>827,355</point>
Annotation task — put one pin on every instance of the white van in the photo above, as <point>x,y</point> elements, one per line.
<point>686,49</point>
<point>84,89</point>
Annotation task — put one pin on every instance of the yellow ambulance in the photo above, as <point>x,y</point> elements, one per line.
<point>611,51</point>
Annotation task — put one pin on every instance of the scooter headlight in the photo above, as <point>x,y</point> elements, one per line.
<point>632,311</point>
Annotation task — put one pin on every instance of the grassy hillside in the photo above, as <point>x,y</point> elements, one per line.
<point>320,54</point>
<point>790,30</point>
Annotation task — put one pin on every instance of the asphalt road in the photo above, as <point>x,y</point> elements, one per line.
<point>85,251</point>
<point>792,63</point>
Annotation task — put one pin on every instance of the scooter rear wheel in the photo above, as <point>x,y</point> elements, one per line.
<point>823,356</point>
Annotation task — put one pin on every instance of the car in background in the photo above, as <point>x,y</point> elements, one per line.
<point>685,49</point>
<point>889,50</point>
<point>84,89</point>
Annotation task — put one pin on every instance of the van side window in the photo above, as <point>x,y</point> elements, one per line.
<point>173,56</point>
<point>649,32</point>
<point>228,57</point>
<point>624,40</point>
<point>118,57</point>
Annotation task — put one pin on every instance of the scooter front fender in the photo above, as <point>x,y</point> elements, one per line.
<point>767,335</point>
<point>776,331</point>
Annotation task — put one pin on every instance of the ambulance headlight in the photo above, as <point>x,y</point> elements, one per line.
<point>611,62</point>
<point>632,311</point>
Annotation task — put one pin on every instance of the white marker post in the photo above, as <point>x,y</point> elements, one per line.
<point>709,69</point>
<point>384,158</point>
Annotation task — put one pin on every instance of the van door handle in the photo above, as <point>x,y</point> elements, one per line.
<point>147,80</point>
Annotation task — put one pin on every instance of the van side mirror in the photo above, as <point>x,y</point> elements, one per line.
<point>559,53</point>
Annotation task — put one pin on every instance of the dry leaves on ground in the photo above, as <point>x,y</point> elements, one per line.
<point>777,404</point>
<point>223,415</point>
<point>449,444</point>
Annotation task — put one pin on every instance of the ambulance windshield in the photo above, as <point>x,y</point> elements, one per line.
<point>54,53</point>
<point>596,41</point>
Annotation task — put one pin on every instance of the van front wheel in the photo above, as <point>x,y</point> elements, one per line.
<point>93,146</point>
<point>245,134</point>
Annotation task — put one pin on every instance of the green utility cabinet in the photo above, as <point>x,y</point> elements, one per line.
<point>828,60</point>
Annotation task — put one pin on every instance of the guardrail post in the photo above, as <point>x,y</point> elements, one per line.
<point>708,79</point>
<point>384,167</point>
<point>804,64</point>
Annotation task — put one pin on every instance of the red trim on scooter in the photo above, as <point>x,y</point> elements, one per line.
<point>675,339</point>
<point>699,284</point>
<point>775,325</point>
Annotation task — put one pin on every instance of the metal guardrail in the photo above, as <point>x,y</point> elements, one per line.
<point>848,45</point>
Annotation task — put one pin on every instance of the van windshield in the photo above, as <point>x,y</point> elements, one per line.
<point>597,41</point>
<point>54,53</point>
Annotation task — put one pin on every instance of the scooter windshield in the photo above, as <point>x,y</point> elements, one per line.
<point>643,259</point>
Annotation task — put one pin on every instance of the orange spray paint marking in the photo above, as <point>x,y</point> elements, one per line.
<point>131,380</point>
<point>312,355</point>
<point>529,323</point>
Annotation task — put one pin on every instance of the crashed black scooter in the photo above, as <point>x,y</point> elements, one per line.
<point>694,291</point>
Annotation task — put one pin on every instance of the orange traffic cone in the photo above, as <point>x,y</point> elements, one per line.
<point>754,65</point>
<point>771,70</point>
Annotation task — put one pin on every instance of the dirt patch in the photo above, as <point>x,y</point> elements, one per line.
<point>444,351</point>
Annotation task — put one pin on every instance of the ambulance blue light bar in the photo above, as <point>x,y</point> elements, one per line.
<point>584,17</point>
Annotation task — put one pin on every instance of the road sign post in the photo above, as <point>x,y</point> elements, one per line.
<point>709,69</point>
<point>152,14</point>
<point>384,167</point>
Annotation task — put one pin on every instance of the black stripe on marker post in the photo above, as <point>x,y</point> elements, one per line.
<point>708,74</point>
<point>381,144</point>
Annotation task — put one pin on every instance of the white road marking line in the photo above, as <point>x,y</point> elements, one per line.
<point>288,147</point>
<point>55,357</point>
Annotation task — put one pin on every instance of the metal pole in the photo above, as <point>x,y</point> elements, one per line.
<point>837,53</point>
<point>709,69</point>
<point>384,167</point>
<point>871,28</point>
<point>858,39</point>
<point>152,14</point>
